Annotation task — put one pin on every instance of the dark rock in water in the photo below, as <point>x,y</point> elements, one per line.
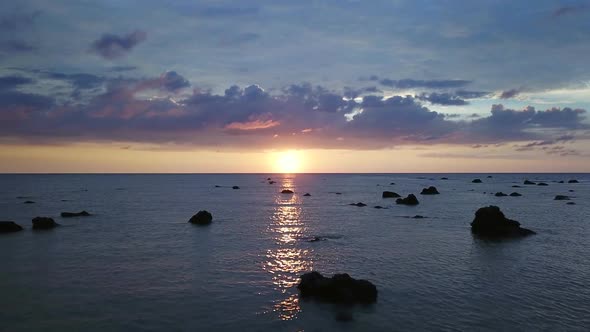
<point>74,214</point>
<point>476,181</point>
<point>444,178</point>
<point>573,181</point>
<point>489,176</point>
<point>542,184</point>
<point>392,183</point>
<point>9,227</point>
<point>235,187</point>
<point>491,222</point>
<point>344,316</point>
<point>286,191</point>
<point>272,182</point>
<point>341,288</point>
<point>43,223</point>
<point>410,200</point>
<point>500,194</point>
<point>268,179</point>
<point>515,186</point>
<point>429,191</point>
<point>571,190</point>
<point>29,202</point>
<point>418,217</point>
<point>316,239</point>
<point>560,181</point>
<point>65,200</point>
<point>562,198</point>
<point>529,182</point>
<point>378,207</point>
<point>307,194</point>
<point>217,186</point>
<point>515,194</point>
<point>390,194</point>
<point>338,193</point>
<point>571,203</point>
<point>359,204</point>
<point>201,218</point>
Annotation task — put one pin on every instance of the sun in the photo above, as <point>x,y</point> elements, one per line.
<point>288,162</point>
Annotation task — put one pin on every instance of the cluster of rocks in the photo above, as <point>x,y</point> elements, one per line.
<point>409,200</point>
<point>429,191</point>
<point>341,288</point>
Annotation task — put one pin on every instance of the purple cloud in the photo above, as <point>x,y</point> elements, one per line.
<point>111,46</point>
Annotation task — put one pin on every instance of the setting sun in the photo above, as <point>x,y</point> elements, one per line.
<point>288,162</point>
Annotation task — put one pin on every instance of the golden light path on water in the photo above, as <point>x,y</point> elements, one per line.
<point>288,261</point>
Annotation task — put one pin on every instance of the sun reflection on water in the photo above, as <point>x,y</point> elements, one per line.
<point>286,261</point>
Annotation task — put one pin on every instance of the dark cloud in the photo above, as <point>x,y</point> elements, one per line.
<point>13,81</point>
<point>442,99</point>
<point>431,84</point>
<point>568,10</point>
<point>16,46</point>
<point>123,68</point>
<point>509,93</point>
<point>536,144</point>
<point>111,46</point>
<point>78,81</point>
<point>172,81</point>
<point>471,94</point>
<point>15,21</point>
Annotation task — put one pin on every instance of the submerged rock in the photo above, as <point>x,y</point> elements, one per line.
<point>515,194</point>
<point>491,222</point>
<point>542,184</point>
<point>410,200</point>
<point>201,218</point>
<point>43,223</point>
<point>515,186</point>
<point>562,198</point>
<point>28,202</point>
<point>286,191</point>
<point>390,194</point>
<point>561,181</point>
<point>235,187</point>
<point>444,178</point>
<point>476,181</point>
<point>74,214</point>
<point>418,217</point>
<point>573,181</point>
<point>359,204</point>
<point>429,191</point>
<point>317,239</point>
<point>307,194</point>
<point>341,288</point>
<point>500,194</point>
<point>489,176</point>
<point>272,182</point>
<point>529,182</point>
<point>571,203</point>
<point>392,183</point>
<point>378,207</point>
<point>217,186</point>
<point>9,227</point>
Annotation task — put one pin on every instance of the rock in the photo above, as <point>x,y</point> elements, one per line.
<point>410,200</point>
<point>418,217</point>
<point>573,181</point>
<point>268,179</point>
<point>489,176</point>
<point>341,288</point>
<point>359,204</point>
<point>390,194</point>
<point>529,182</point>
<point>491,222</point>
<point>562,198</point>
<point>217,186</point>
<point>272,182</point>
<point>571,203</point>
<point>571,190</point>
<point>307,194</point>
<point>515,186</point>
<point>201,218</point>
<point>444,178</point>
<point>286,191</point>
<point>542,184</point>
<point>515,194</point>
<point>561,181</point>
<point>338,193</point>
<point>29,202</point>
<point>378,207</point>
<point>392,183</point>
<point>429,191</point>
<point>74,214</point>
<point>476,181</point>
<point>9,227</point>
<point>500,194</point>
<point>317,239</point>
<point>43,223</point>
<point>235,187</point>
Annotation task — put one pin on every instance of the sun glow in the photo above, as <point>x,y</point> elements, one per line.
<point>288,162</point>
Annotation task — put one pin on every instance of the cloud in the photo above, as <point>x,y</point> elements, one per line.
<point>16,46</point>
<point>227,12</point>
<point>569,10</point>
<point>16,21</point>
<point>509,93</point>
<point>442,99</point>
<point>172,81</point>
<point>123,68</point>
<point>111,46</point>
<point>431,84</point>
<point>13,81</point>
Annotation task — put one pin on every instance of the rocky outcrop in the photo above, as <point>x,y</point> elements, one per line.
<point>286,191</point>
<point>476,181</point>
<point>562,198</point>
<point>28,202</point>
<point>9,227</point>
<point>41,223</point>
<point>444,178</point>
<point>235,187</point>
<point>409,200</point>
<point>429,191</point>
<point>542,184</point>
<point>359,204</point>
<point>500,194</point>
<point>527,182</point>
<point>201,218</point>
<point>573,181</point>
<point>570,203</point>
<point>307,194</point>
<point>74,214</point>
<point>515,194</point>
<point>341,288</point>
<point>390,194</point>
<point>491,222</point>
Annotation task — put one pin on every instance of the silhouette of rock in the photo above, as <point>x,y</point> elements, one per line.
<point>562,198</point>
<point>410,200</point>
<point>272,182</point>
<point>378,207</point>
<point>476,181</point>
<point>491,222</point>
<point>341,288</point>
<point>418,217</point>
<point>338,193</point>
<point>217,186</point>
<point>390,194</point>
<point>268,179</point>
<point>307,194</point>
<point>9,227</point>
<point>573,181</point>
<point>444,178</point>
<point>542,184</point>
<point>286,191</point>
<point>515,186</point>
<point>500,194</point>
<point>359,204</point>
<point>429,191</point>
<point>571,203</point>
<point>392,183</point>
<point>43,223</point>
<point>74,214</point>
<point>529,182</point>
<point>515,194</point>
<point>560,181</point>
<point>489,176</point>
<point>29,202</point>
<point>201,218</point>
<point>571,190</point>
<point>317,239</point>
<point>235,187</point>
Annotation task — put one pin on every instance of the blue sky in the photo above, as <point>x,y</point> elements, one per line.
<point>354,75</point>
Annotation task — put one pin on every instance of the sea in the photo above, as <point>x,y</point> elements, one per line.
<point>136,264</point>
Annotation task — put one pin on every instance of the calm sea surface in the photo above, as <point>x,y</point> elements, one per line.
<point>137,265</point>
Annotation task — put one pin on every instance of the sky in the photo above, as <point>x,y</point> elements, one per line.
<point>294,86</point>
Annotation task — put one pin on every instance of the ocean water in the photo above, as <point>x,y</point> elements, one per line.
<point>137,265</point>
